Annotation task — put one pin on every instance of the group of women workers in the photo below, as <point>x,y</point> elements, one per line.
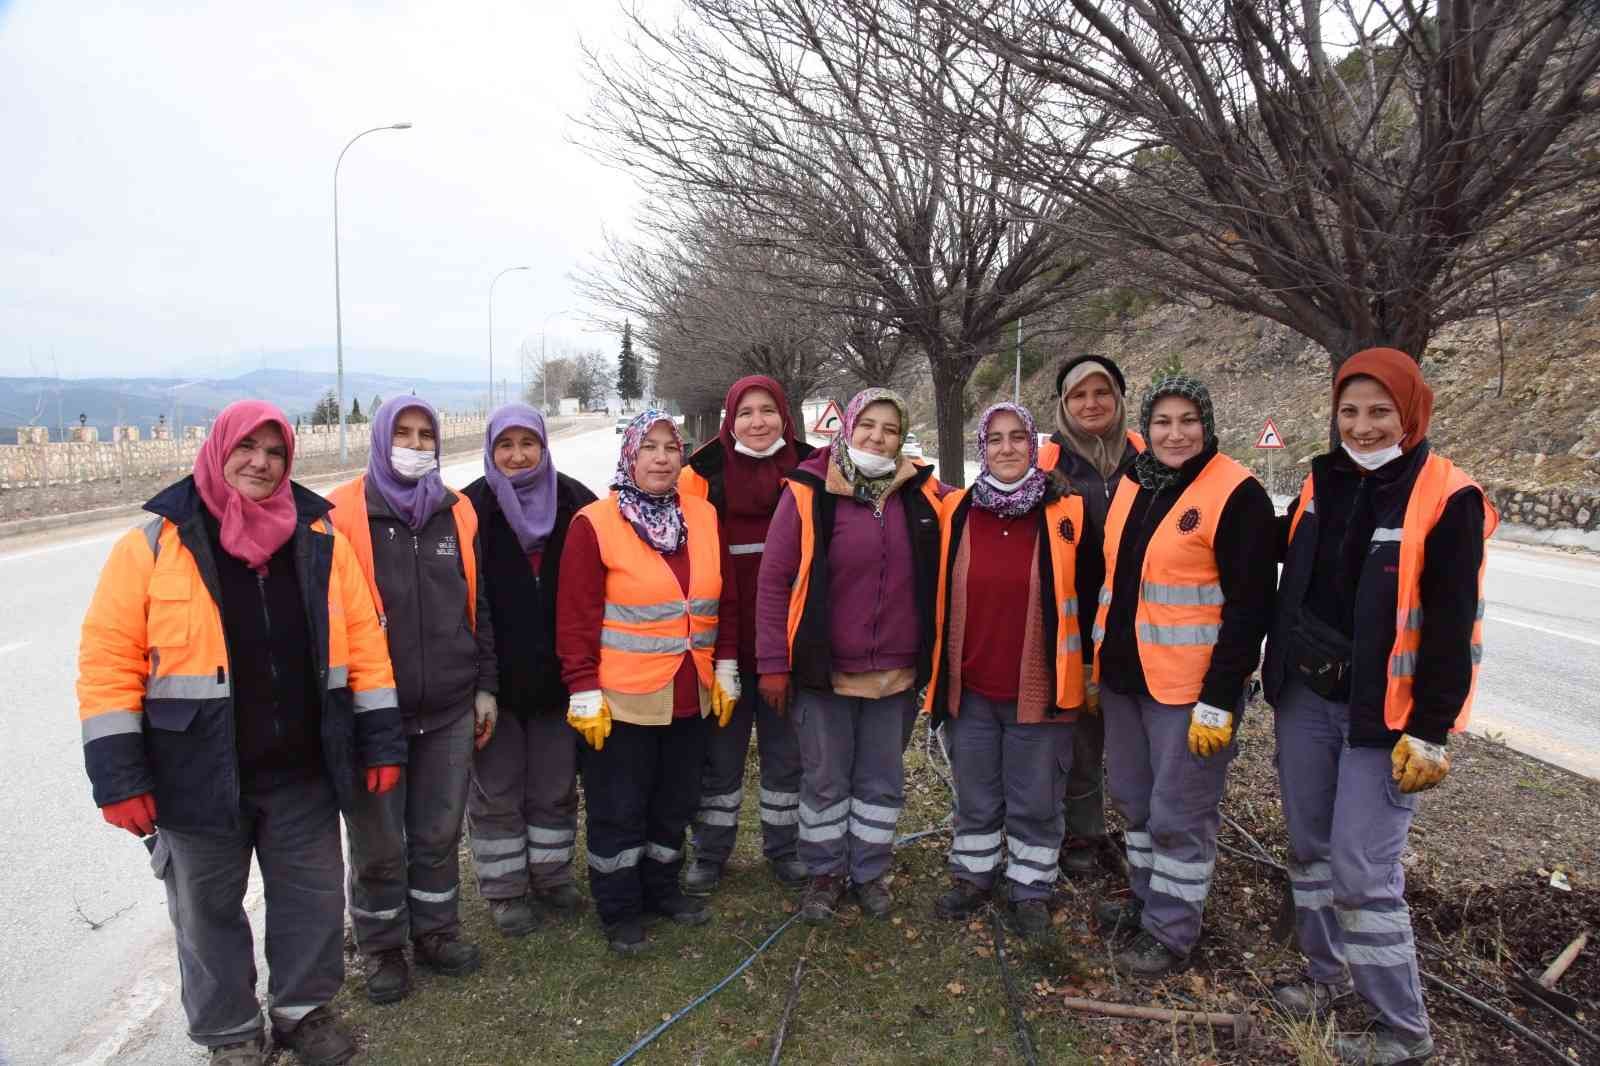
<point>247,674</point>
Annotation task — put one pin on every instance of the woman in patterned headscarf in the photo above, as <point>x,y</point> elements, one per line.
<point>1020,575</point>
<point>641,592</point>
<point>1190,571</point>
<point>845,622</point>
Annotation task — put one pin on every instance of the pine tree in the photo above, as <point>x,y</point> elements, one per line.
<point>629,383</point>
<point>356,417</point>
<point>326,413</point>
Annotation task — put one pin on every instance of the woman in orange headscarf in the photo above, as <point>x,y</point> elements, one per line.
<point>1371,663</point>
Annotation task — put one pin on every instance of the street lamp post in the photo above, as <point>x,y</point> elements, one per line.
<point>492,284</point>
<point>338,305</point>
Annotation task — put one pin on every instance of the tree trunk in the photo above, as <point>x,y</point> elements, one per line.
<point>950,415</point>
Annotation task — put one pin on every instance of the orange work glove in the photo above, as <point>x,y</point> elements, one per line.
<point>136,814</point>
<point>381,779</point>
<point>774,689</point>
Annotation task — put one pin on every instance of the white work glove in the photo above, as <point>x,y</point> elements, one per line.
<point>1417,764</point>
<point>485,712</point>
<point>1210,729</point>
<point>725,690</point>
<point>588,714</point>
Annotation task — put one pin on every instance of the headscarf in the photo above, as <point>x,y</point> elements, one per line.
<point>1103,451</point>
<point>251,531</point>
<point>1152,473</point>
<point>413,500</point>
<point>657,519</point>
<point>1397,372</point>
<point>986,492</point>
<point>528,497</point>
<point>751,486</point>
<point>869,490</point>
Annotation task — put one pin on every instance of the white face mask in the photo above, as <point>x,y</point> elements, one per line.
<point>410,463</point>
<point>772,449</point>
<point>870,464</point>
<point>1373,460</point>
<point>1009,486</point>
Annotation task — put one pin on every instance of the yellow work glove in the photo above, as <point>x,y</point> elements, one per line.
<point>1418,765</point>
<point>1091,697</point>
<point>725,690</point>
<point>1210,729</point>
<point>589,715</point>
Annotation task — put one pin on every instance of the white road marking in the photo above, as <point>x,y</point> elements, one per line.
<point>15,645</point>
<point>1545,630</point>
<point>106,538</point>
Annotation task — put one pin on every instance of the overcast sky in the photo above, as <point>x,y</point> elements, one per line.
<point>167,171</point>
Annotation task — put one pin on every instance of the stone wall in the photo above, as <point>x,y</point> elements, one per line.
<point>75,463</point>
<point>1547,509</point>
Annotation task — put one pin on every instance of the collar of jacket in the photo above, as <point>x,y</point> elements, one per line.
<point>180,501</point>
<point>1391,483</point>
<point>568,498</point>
<point>378,507</point>
<point>831,482</point>
<point>1072,464</point>
<point>709,459</point>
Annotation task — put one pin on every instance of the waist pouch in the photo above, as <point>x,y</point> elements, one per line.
<point>1319,655</point>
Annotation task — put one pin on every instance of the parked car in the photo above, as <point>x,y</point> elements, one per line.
<point>911,448</point>
<point>622,424</point>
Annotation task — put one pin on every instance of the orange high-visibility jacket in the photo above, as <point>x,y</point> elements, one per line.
<point>154,667</point>
<point>1050,451</point>
<point>1437,482</point>
<point>1061,525</point>
<point>649,623</point>
<point>350,518</point>
<point>1179,613</point>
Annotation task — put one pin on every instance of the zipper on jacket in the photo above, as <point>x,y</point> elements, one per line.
<point>422,640</point>
<point>272,660</point>
<point>883,581</point>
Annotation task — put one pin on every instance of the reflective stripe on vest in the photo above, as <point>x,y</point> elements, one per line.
<point>1179,613</point>
<point>649,624</point>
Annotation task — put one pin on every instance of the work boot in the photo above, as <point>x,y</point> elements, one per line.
<point>1115,916</point>
<point>320,1039</point>
<point>822,898</point>
<point>1306,999</point>
<point>388,976</point>
<point>246,1054</point>
<point>626,937</point>
<point>1029,918</point>
<point>446,953</point>
<point>513,917</point>
<point>790,872</point>
<point>680,908</point>
<point>962,900</point>
<point>874,897</point>
<point>564,897</point>
<point>1149,958</point>
<point>1081,858</point>
<point>1383,1046</point>
<point>702,877</point>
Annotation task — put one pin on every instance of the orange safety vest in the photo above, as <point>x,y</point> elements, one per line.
<point>350,518</point>
<point>649,623</point>
<point>1050,451</point>
<point>1437,481</point>
<point>1179,612</point>
<point>1063,523</point>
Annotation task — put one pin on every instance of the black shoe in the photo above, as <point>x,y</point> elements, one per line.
<point>822,897</point>
<point>790,873</point>
<point>1114,916</point>
<point>1081,859</point>
<point>680,908</point>
<point>1029,918</point>
<point>446,953</point>
<point>564,897</point>
<point>1149,958</point>
<point>320,1039</point>
<point>874,897</point>
<point>701,877</point>
<point>513,917</point>
<point>1383,1046</point>
<point>246,1053</point>
<point>388,976</point>
<point>626,937</point>
<point>962,900</point>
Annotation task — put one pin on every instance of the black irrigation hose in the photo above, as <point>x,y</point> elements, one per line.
<point>1439,954</point>
<point>1018,1022</point>
<point>1554,1052</point>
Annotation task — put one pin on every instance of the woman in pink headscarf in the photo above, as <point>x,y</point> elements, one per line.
<point>235,693</point>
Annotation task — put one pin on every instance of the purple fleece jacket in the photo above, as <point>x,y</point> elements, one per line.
<point>872,597</point>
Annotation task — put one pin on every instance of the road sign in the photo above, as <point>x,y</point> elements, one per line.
<point>830,421</point>
<point>1270,437</point>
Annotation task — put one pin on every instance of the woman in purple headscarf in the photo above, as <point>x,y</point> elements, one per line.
<point>523,809</point>
<point>417,543</point>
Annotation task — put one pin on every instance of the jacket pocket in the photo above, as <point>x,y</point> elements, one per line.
<point>191,761</point>
<point>167,620</point>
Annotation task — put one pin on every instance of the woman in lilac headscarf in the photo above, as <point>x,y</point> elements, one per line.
<point>417,543</point>
<point>523,809</point>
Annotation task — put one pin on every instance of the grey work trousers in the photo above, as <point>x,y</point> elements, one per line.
<point>293,830</point>
<point>1170,799</point>
<point>1348,822</point>
<point>1011,778</point>
<point>716,824</point>
<point>405,876</point>
<point>1085,803</point>
<point>522,808</point>
<point>853,784</point>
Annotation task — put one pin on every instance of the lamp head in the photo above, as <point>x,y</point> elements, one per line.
<point>401,126</point>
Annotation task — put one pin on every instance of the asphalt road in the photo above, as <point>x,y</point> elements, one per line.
<point>89,974</point>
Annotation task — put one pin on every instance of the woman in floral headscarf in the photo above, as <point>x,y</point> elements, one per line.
<point>1020,574</point>
<point>845,622</point>
<point>641,593</point>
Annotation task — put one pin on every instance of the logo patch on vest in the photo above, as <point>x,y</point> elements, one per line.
<point>1189,521</point>
<point>446,545</point>
<point>1067,530</point>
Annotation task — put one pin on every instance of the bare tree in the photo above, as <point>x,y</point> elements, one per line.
<point>1359,199</point>
<point>853,136</point>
